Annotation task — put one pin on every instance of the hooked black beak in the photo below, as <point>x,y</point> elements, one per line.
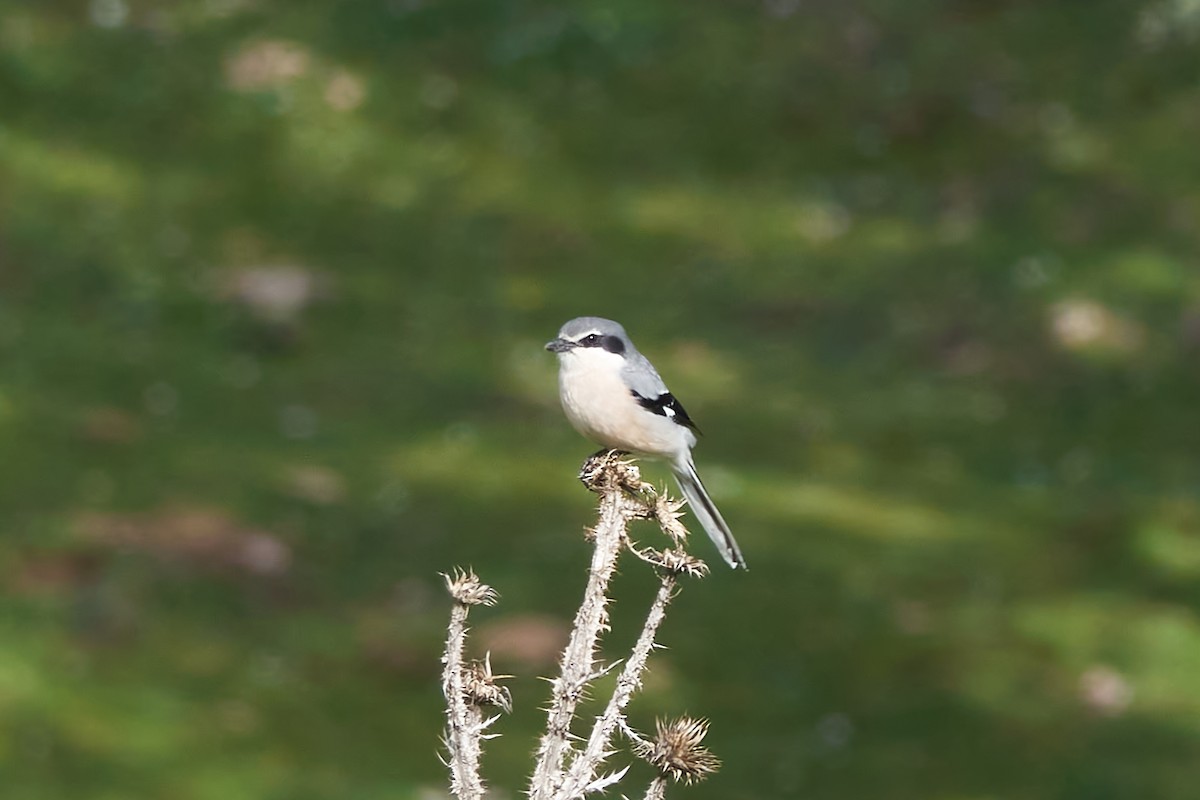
<point>559,345</point>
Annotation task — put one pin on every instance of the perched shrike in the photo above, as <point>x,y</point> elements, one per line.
<point>613,396</point>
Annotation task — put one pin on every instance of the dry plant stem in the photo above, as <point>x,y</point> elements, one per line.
<point>616,509</point>
<point>657,789</point>
<point>464,720</point>
<point>583,770</point>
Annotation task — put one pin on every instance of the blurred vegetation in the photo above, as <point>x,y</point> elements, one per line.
<point>274,280</point>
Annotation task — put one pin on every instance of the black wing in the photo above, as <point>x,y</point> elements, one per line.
<point>666,405</point>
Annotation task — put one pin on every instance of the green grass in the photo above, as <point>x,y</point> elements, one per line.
<point>925,273</point>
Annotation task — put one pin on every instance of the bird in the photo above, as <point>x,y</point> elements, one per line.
<point>614,396</point>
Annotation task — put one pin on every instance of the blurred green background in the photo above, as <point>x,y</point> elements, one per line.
<point>274,281</point>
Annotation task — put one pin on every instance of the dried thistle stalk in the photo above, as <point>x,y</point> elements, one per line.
<point>599,744</point>
<point>616,480</point>
<point>461,685</point>
<point>564,771</point>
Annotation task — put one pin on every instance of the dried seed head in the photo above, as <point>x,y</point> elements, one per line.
<point>674,562</point>
<point>481,687</point>
<point>677,751</point>
<point>681,563</point>
<point>669,512</point>
<point>610,469</point>
<point>624,473</point>
<point>466,588</point>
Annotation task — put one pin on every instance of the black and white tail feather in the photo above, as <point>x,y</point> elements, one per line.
<point>706,512</point>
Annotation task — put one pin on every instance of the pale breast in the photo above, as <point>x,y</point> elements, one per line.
<point>600,406</point>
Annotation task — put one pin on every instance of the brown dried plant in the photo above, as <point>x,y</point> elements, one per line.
<point>569,765</point>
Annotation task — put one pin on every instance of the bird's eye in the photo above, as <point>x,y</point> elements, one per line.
<point>591,340</point>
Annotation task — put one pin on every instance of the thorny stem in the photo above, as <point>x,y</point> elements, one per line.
<point>562,772</point>
<point>466,689</point>
<point>583,769</point>
<point>464,721</point>
<point>657,790</point>
<point>617,507</point>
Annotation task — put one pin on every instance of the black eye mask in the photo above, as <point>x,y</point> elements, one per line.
<point>612,344</point>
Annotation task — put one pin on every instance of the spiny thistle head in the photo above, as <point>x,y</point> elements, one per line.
<point>669,512</point>
<point>677,751</point>
<point>611,469</point>
<point>482,688</point>
<point>679,562</point>
<point>466,588</point>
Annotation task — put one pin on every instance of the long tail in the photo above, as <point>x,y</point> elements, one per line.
<point>702,506</point>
